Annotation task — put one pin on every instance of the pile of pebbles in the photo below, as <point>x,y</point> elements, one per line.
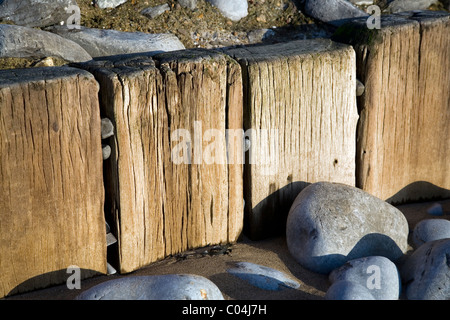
<point>51,34</point>
<point>359,241</point>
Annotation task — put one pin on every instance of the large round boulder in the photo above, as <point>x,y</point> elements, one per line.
<point>331,223</point>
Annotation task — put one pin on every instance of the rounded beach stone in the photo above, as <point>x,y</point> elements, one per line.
<point>24,42</point>
<point>105,42</point>
<point>232,9</point>
<point>430,230</point>
<point>107,128</point>
<point>106,151</point>
<point>158,287</point>
<point>263,277</point>
<point>331,223</point>
<point>334,12</point>
<point>408,5</point>
<point>348,290</point>
<point>191,4</point>
<point>427,272</point>
<point>153,12</point>
<point>378,274</point>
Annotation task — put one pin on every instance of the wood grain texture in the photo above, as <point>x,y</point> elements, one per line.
<point>161,206</point>
<point>304,91</point>
<point>51,185</point>
<point>403,148</point>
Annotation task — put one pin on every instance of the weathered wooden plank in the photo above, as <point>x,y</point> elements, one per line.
<point>51,184</point>
<point>300,110</point>
<point>165,194</point>
<point>403,148</point>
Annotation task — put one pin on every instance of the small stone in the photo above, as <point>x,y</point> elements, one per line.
<point>110,239</point>
<point>261,18</point>
<point>190,4</point>
<point>256,36</point>
<point>408,5</point>
<point>348,290</point>
<point>99,43</point>
<point>46,62</point>
<point>362,2</point>
<point>263,277</point>
<point>334,12</point>
<point>430,230</point>
<point>103,4</point>
<point>107,128</point>
<point>106,151</point>
<point>32,13</point>
<point>360,88</point>
<point>426,272</point>
<point>234,10</point>
<point>331,223</point>
<point>157,287</point>
<point>153,12</point>
<point>378,274</point>
<point>110,269</point>
<point>436,210</point>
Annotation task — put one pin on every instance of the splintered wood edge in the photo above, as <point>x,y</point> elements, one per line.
<point>13,77</point>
